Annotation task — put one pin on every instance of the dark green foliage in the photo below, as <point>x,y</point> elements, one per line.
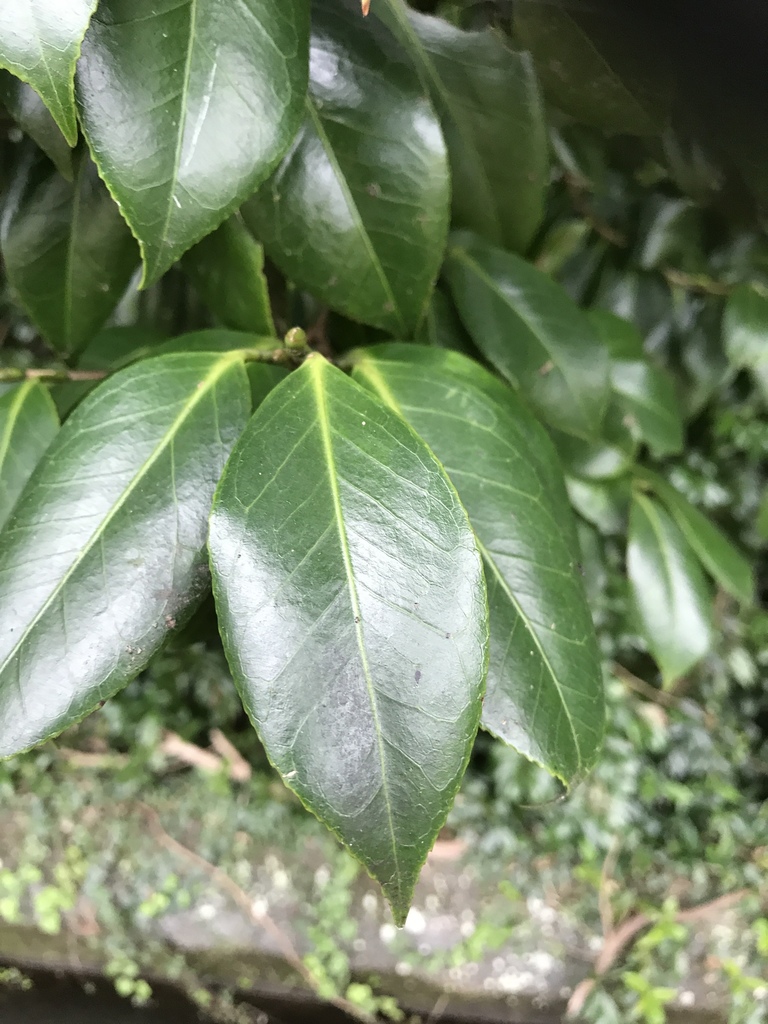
<point>472,319</point>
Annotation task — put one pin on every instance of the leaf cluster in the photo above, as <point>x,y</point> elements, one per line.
<point>332,318</point>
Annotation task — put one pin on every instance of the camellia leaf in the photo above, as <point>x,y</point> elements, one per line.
<point>526,325</point>
<point>105,551</point>
<point>671,597</point>
<point>227,269</point>
<point>745,331</point>
<point>545,693</point>
<point>40,42</point>
<point>352,608</point>
<point>492,116</point>
<point>28,424</point>
<point>68,253</point>
<point>646,393</point>
<point>35,120</point>
<point>187,107</point>
<point>721,558</point>
<point>585,74</point>
<point>358,211</point>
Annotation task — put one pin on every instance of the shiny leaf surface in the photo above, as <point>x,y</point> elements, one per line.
<point>358,211</point>
<point>40,42</point>
<point>526,325</point>
<point>745,331</point>
<point>670,594</point>
<point>105,551</point>
<point>492,117</point>
<point>28,424</point>
<point>722,559</point>
<point>544,692</point>
<point>227,269</point>
<point>352,608</point>
<point>68,253</point>
<point>187,107</point>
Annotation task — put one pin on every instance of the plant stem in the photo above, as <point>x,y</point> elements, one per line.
<point>12,374</point>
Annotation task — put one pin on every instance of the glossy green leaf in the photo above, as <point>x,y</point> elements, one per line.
<point>28,424</point>
<point>187,106</point>
<point>105,551</point>
<point>531,331</point>
<point>227,269</point>
<point>745,331</point>
<point>671,597</point>
<point>40,42</point>
<point>352,608</point>
<point>585,74</point>
<point>653,409</point>
<point>492,116</point>
<point>604,503</point>
<point>645,392</point>
<point>672,236</point>
<point>358,211</point>
<point>605,459</point>
<point>721,558</point>
<point>263,377</point>
<point>68,253</point>
<point>545,693</point>
<point>35,120</point>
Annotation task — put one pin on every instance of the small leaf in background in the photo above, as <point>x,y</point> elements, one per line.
<point>68,253</point>
<point>719,556</point>
<point>613,455</point>
<point>28,424</point>
<point>33,117</point>
<point>358,211</point>
<point>526,325</point>
<point>104,553</point>
<point>227,269</point>
<point>672,237</point>
<point>40,42</point>
<point>492,116</point>
<point>604,503</point>
<point>745,331</point>
<point>670,594</point>
<point>442,327</point>
<point>351,603</point>
<point>545,694</point>
<point>646,392</point>
<point>583,72</point>
<point>187,108</point>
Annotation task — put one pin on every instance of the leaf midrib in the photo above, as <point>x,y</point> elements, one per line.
<point>184,98</point>
<point>317,367</point>
<point>427,63</point>
<point>202,389</point>
<point>354,210</point>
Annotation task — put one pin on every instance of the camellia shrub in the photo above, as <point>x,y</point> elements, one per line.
<point>331,316</point>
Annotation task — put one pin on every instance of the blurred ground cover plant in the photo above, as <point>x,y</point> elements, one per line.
<point>405,349</point>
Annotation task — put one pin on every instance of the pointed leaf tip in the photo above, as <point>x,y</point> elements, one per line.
<point>335,528</point>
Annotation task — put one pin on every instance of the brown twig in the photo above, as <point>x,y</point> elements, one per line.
<point>239,769</point>
<point>579,198</point>
<point>667,700</point>
<point>616,941</point>
<point>696,282</point>
<point>12,374</point>
<point>259,918</point>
